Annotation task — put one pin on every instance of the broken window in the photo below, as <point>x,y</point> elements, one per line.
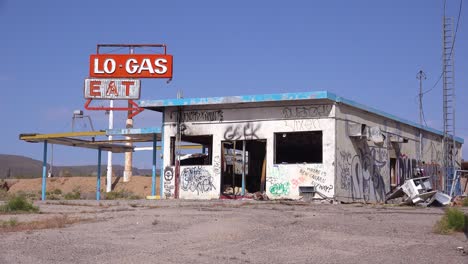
<point>192,150</point>
<point>298,147</point>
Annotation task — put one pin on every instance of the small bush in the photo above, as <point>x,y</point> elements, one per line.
<point>122,194</point>
<point>452,220</point>
<point>3,195</point>
<point>465,202</point>
<point>456,219</point>
<point>57,192</point>
<point>72,196</point>
<point>30,195</point>
<point>52,196</point>
<point>10,223</point>
<point>18,204</point>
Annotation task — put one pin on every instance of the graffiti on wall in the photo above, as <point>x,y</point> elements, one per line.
<point>318,178</point>
<point>278,181</point>
<point>201,115</point>
<point>279,189</point>
<point>168,177</point>
<point>361,175</point>
<point>285,180</point>
<point>217,165</point>
<point>246,131</point>
<point>300,125</point>
<point>197,179</point>
<point>306,111</point>
<point>407,168</point>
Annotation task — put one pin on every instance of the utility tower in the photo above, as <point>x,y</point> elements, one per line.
<point>448,71</point>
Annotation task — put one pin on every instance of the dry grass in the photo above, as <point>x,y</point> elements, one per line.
<point>452,221</point>
<point>54,222</point>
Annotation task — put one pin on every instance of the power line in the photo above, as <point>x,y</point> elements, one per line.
<point>456,27</point>
<point>453,44</point>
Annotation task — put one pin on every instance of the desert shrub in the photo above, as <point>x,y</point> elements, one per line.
<point>18,204</point>
<point>74,195</point>
<point>465,202</point>
<point>122,194</point>
<point>57,191</point>
<point>452,220</point>
<point>51,196</point>
<point>10,223</point>
<point>30,195</point>
<point>3,195</point>
<point>456,219</point>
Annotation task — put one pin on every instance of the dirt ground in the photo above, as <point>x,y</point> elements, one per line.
<point>139,185</point>
<point>226,231</point>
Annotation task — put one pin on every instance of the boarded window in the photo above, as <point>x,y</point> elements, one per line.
<point>298,147</point>
<point>192,150</point>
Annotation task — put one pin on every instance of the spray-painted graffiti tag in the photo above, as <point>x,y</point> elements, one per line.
<point>279,189</point>
<point>194,116</point>
<point>361,175</point>
<point>300,125</point>
<point>197,179</point>
<point>168,177</point>
<point>306,111</point>
<point>247,131</point>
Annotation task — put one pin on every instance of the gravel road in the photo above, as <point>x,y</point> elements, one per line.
<point>173,231</point>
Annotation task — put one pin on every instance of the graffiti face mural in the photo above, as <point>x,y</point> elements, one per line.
<point>361,175</point>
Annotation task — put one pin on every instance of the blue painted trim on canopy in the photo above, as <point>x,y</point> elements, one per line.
<point>161,104</point>
<point>352,103</point>
<point>233,99</point>
<point>133,131</point>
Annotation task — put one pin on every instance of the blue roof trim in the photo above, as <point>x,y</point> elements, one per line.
<point>339,99</point>
<point>133,131</point>
<point>280,97</point>
<point>233,99</point>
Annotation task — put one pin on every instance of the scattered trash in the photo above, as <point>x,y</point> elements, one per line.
<point>259,196</point>
<point>461,250</point>
<point>419,191</point>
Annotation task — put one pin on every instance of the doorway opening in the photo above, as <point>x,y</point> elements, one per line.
<point>243,167</point>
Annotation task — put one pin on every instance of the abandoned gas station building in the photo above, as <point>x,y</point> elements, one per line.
<point>280,143</point>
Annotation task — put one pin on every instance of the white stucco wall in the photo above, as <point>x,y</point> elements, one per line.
<point>352,169</point>
<point>282,181</point>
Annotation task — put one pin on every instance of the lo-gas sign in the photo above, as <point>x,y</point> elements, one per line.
<point>130,66</point>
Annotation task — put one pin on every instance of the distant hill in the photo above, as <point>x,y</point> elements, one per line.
<point>13,166</point>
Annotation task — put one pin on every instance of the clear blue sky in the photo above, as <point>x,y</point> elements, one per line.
<point>367,51</point>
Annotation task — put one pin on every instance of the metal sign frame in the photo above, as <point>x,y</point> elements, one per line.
<point>133,108</point>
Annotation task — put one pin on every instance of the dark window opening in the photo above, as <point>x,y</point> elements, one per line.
<point>232,166</point>
<point>192,150</point>
<point>298,147</point>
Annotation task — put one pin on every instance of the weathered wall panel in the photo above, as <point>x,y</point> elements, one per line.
<point>282,180</point>
<point>367,169</point>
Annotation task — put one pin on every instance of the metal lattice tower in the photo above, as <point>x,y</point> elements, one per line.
<point>448,100</point>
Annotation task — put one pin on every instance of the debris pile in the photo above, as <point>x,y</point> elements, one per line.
<point>419,191</point>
